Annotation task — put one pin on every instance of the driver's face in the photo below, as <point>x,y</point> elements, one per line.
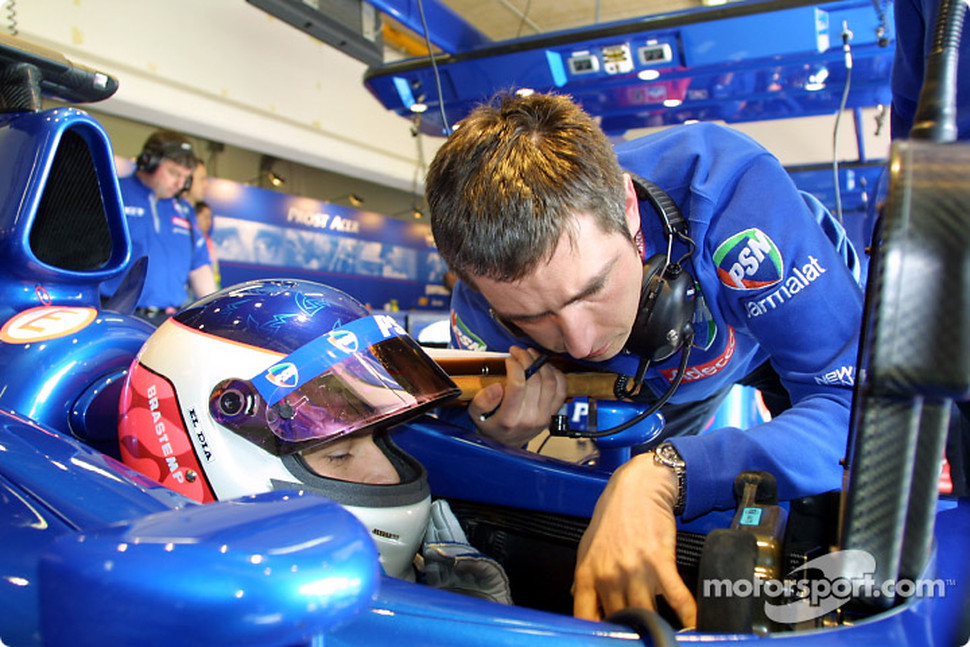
<point>354,458</point>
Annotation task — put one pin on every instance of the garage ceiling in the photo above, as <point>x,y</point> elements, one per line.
<point>505,19</point>
<point>742,62</point>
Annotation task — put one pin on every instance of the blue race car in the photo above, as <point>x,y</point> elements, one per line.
<point>97,553</point>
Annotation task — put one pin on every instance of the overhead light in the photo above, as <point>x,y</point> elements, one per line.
<point>419,107</point>
<point>414,212</point>
<point>266,172</point>
<point>817,81</point>
<point>673,103</point>
<point>648,75</point>
<point>352,198</point>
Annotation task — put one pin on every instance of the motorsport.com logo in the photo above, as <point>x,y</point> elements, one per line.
<point>822,585</point>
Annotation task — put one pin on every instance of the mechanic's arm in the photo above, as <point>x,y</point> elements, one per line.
<point>202,281</point>
<point>517,412</point>
<point>627,555</point>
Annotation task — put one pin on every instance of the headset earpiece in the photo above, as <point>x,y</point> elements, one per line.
<point>161,145</point>
<point>148,160</point>
<point>664,318</point>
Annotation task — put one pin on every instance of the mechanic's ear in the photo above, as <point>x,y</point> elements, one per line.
<point>631,206</point>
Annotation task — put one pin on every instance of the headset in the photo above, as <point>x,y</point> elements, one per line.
<point>667,295</point>
<point>164,144</point>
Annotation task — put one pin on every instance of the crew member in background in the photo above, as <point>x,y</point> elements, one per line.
<point>163,228</point>
<point>203,217</point>
<point>193,195</point>
<point>194,191</point>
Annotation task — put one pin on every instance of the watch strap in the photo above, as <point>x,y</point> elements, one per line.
<point>667,455</point>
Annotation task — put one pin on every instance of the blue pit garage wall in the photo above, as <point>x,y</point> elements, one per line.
<point>382,261</point>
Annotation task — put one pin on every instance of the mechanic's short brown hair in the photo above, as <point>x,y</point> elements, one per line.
<point>504,187</point>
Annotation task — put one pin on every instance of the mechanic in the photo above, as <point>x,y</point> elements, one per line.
<point>550,228</point>
<point>198,414</point>
<point>163,228</point>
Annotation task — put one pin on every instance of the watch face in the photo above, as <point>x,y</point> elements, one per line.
<point>669,455</point>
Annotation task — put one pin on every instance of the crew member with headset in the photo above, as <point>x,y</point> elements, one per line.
<point>686,260</point>
<point>163,228</point>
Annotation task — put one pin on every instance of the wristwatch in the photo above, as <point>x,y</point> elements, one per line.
<point>667,455</point>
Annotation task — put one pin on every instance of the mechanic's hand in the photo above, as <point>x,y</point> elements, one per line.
<point>519,411</point>
<point>627,555</point>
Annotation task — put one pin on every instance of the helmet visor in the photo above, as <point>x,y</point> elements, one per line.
<point>364,374</point>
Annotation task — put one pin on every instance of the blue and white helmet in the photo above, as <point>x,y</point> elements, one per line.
<point>224,396</point>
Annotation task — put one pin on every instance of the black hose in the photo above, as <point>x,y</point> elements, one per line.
<point>935,118</point>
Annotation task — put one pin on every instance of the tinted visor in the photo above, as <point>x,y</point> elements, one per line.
<point>372,374</point>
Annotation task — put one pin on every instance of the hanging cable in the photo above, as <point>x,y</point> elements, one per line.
<point>846,37</point>
<point>434,67</point>
<point>882,27</point>
<point>419,167</point>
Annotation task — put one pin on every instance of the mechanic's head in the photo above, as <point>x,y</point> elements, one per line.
<point>280,384</point>
<point>506,184</point>
<point>530,208</point>
<point>166,163</point>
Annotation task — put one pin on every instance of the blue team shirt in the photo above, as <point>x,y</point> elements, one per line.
<point>168,236</point>
<point>778,281</point>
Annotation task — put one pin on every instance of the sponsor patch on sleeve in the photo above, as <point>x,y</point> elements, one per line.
<point>749,260</point>
<point>466,338</point>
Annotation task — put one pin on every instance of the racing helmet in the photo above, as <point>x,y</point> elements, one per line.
<point>225,395</point>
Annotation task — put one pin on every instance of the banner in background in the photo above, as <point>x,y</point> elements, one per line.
<point>382,261</point>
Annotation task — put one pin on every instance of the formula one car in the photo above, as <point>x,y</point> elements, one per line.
<point>96,553</point>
